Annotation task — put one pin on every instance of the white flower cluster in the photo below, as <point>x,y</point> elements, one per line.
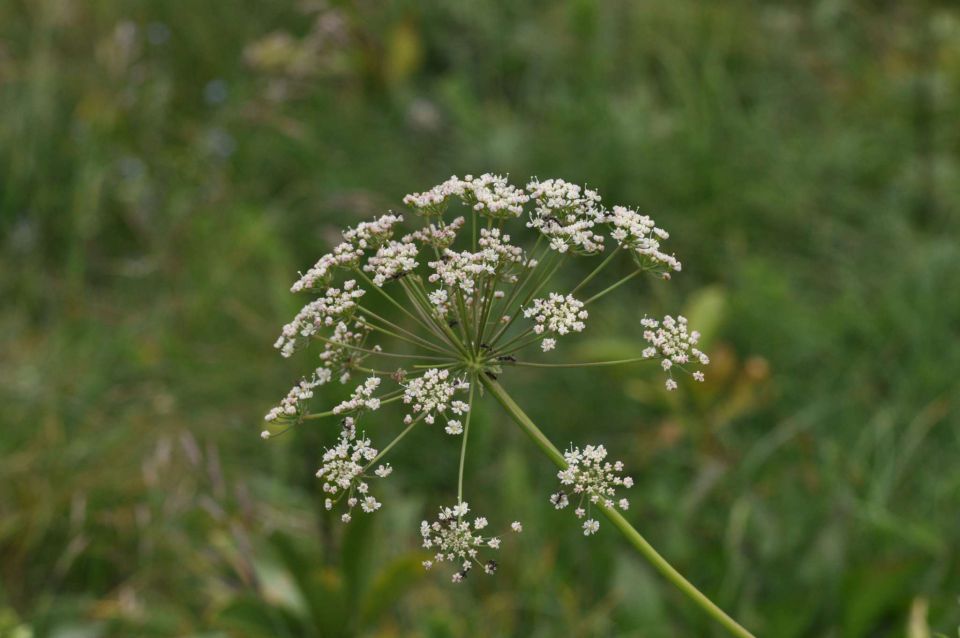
<point>566,215</point>
<point>432,394</point>
<point>393,259</point>
<point>669,339</point>
<point>361,399</point>
<point>439,236</point>
<point>461,270</point>
<point>466,270</point>
<point>556,315</point>
<point>349,252</point>
<point>337,357</point>
<point>642,236</point>
<point>493,195</point>
<point>456,539</point>
<point>335,305</point>
<point>497,249</point>
<point>488,194</point>
<point>291,405</point>
<point>340,353</point>
<point>344,473</point>
<point>594,479</point>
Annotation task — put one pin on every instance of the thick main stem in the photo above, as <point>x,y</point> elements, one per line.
<point>618,521</point>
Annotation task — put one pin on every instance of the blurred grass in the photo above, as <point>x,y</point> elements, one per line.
<point>168,167</point>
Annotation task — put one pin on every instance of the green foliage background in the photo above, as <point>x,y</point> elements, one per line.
<point>167,166</point>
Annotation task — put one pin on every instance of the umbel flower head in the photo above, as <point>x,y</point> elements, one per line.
<point>431,315</point>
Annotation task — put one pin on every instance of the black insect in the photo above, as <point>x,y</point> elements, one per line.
<point>491,375</point>
<point>508,358</point>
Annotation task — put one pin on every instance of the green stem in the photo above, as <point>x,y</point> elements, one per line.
<point>463,445</point>
<point>389,447</point>
<point>424,342</point>
<point>380,353</point>
<point>423,308</point>
<point>618,521</point>
<point>590,364</point>
<point>596,271</point>
<point>612,287</point>
<point>389,298</point>
<point>321,415</point>
<point>416,342</point>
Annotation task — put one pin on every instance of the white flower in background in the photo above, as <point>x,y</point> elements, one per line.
<point>677,347</point>
<point>591,479</point>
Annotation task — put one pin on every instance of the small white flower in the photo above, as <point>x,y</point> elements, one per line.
<point>556,315</point>
<point>432,393</point>
<point>454,427</point>
<point>670,340</point>
<point>337,304</point>
<point>356,241</point>
<point>439,236</point>
<point>455,539</point>
<point>590,526</point>
<point>467,272</point>
<point>392,260</point>
<point>488,194</point>
<point>566,215</point>
<point>516,526</point>
<point>361,399</point>
<point>591,477</point>
<point>265,435</point>
<point>639,234</point>
<point>369,504</point>
<point>343,472</point>
<point>383,471</point>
